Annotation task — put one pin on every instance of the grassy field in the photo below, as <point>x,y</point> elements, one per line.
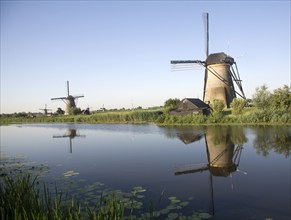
<point>159,116</point>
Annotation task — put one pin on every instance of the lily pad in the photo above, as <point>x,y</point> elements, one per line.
<point>184,203</point>
<point>70,173</point>
<point>204,215</point>
<point>138,189</point>
<point>173,216</point>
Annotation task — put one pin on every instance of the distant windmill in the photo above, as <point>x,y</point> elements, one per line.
<point>69,100</point>
<point>219,73</point>
<point>45,110</point>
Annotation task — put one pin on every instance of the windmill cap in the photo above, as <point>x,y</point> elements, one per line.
<point>217,58</point>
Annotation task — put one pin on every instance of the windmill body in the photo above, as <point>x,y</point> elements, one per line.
<point>219,84</point>
<point>69,100</point>
<point>219,75</point>
<point>70,103</point>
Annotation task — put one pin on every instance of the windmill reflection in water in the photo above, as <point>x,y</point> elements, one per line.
<point>71,134</point>
<point>222,155</point>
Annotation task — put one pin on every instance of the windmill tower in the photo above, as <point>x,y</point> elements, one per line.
<point>220,75</point>
<point>69,100</point>
<point>45,110</point>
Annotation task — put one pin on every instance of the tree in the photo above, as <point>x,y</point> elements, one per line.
<point>171,103</point>
<point>217,107</point>
<point>281,98</point>
<point>261,98</point>
<point>75,111</point>
<point>237,105</point>
<point>60,111</point>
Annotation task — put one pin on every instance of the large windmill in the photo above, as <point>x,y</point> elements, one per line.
<point>69,100</point>
<point>220,75</point>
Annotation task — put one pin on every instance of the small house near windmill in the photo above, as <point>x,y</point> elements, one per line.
<point>191,106</point>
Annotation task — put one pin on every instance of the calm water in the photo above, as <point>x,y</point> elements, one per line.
<point>228,172</point>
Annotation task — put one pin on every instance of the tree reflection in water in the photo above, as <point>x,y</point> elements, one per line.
<point>277,139</point>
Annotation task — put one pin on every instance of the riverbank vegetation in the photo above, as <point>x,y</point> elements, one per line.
<point>264,108</point>
<point>26,194</point>
<point>23,198</point>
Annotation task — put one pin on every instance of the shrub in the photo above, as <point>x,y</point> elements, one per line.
<point>75,111</point>
<point>261,98</point>
<point>170,104</point>
<point>281,98</point>
<point>237,105</point>
<point>217,107</point>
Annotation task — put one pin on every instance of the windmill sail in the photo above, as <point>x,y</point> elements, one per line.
<point>206,26</point>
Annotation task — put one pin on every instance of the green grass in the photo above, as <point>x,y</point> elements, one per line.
<point>136,116</point>
<point>248,116</point>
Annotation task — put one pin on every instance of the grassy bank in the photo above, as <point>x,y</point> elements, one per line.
<point>137,116</point>
<point>248,116</point>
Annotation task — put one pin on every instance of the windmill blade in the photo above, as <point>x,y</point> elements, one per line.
<point>187,61</point>
<point>205,80</point>
<point>211,195</point>
<point>191,168</point>
<point>78,96</point>
<point>181,65</point>
<point>58,98</point>
<point>236,78</point>
<point>68,92</point>
<point>81,136</point>
<point>71,146</point>
<point>60,136</point>
<point>206,29</point>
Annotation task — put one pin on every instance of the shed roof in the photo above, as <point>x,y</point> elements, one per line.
<point>197,102</point>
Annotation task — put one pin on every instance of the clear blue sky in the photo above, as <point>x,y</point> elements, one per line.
<point>118,53</point>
